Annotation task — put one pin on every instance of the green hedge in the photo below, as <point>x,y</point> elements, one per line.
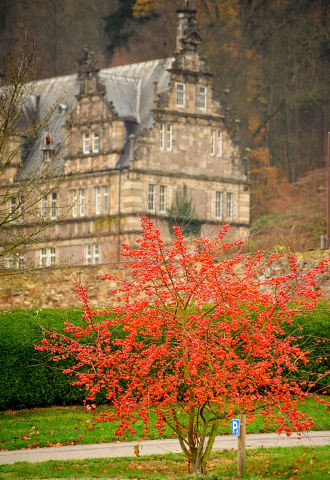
<point>315,326</point>
<point>30,379</point>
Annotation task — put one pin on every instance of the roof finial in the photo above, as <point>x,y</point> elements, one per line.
<point>187,36</point>
<point>87,62</point>
<point>187,5</point>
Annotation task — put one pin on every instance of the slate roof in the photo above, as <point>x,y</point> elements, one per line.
<point>130,88</point>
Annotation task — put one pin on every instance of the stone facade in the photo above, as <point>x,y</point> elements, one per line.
<point>143,132</point>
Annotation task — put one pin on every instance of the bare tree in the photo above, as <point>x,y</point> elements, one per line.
<point>32,165</point>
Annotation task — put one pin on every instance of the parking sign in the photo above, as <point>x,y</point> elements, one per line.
<point>235,426</point>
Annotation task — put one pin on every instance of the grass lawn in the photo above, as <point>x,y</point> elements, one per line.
<point>42,427</point>
<point>309,463</point>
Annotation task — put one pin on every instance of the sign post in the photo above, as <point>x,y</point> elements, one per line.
<point>241,445</point>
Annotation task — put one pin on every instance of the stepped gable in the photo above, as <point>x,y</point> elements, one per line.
<point>128,89</point>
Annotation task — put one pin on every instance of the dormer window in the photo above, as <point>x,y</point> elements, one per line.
<point>86,147</point>
<point>96,142</point>
<point>180,94</point>
<point>202,97</point>
<point>48,148</point>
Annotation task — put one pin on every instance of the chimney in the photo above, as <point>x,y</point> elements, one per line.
<point>186,17</point>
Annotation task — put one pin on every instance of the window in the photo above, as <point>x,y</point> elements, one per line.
<point>20,261</point>
<point>162,199</point>
<point>169,138</point>
<point>43,257</point>
<point>74,203</point>
<point>53,212</point>
<point>218,205</point>
<point>229,206</point>
<point>44,207</point>
<point>105,199</point>
<point>219,153</point>
<point>180,94</point>
<point>12,207</point>
<point>16,260</point>
<point>86,143</point>
<point>10,262</point>
<point>212,144</point>
<point>52,256</point>
<point>82,202</point>
<point>21,208</point>
<point>162,136</point>
<point>47,257</point>
<point>152,199</point>
<point>96,142</point>
<point>97,200</point>
<point>88,254</point>
<point>96,254</point>
<point>202,97</point>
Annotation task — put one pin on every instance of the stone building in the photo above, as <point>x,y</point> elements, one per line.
<point>144,132</point>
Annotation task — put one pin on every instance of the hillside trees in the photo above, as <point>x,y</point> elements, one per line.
<point>201,340</point>
<point>61,27</point>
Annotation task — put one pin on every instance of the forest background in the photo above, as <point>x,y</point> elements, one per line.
<point>272,55</point>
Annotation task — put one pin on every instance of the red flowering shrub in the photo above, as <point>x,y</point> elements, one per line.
<point>203,340</point>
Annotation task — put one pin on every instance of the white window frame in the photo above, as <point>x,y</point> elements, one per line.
<point>21,209</point>
<point>162,136</point>
<point>43,257</point>
<point>82,202</point>
<point>229,206</point>
<point>180,94</point>
<point>162,198</point>
<point>218,205</point>
<point>52,256</point>
<point>212,143</point>
<point>96,252</point>
<point>44,206</point>
<point>20,261</point>
<point>15,260</point>
<point>89,254</point>
<point>219,144</point>
<point>96,142</point>
<point>105,199</point>
<point>97,200</point>
<point>53,209</point>
<point>169,137</point>
<point>202,96</point>
<point>12,207</point>
<point>10,261</point>
<point>74,203</point>
<point>86,143</point>
<point>152,199</point>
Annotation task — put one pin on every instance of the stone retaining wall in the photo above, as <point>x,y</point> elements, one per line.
<point>55,287</point>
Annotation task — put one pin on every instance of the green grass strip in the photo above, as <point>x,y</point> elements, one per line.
<point>309,463</point>
<point>42,427</point>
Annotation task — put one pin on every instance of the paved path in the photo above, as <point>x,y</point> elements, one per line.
<point>149,447</point>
